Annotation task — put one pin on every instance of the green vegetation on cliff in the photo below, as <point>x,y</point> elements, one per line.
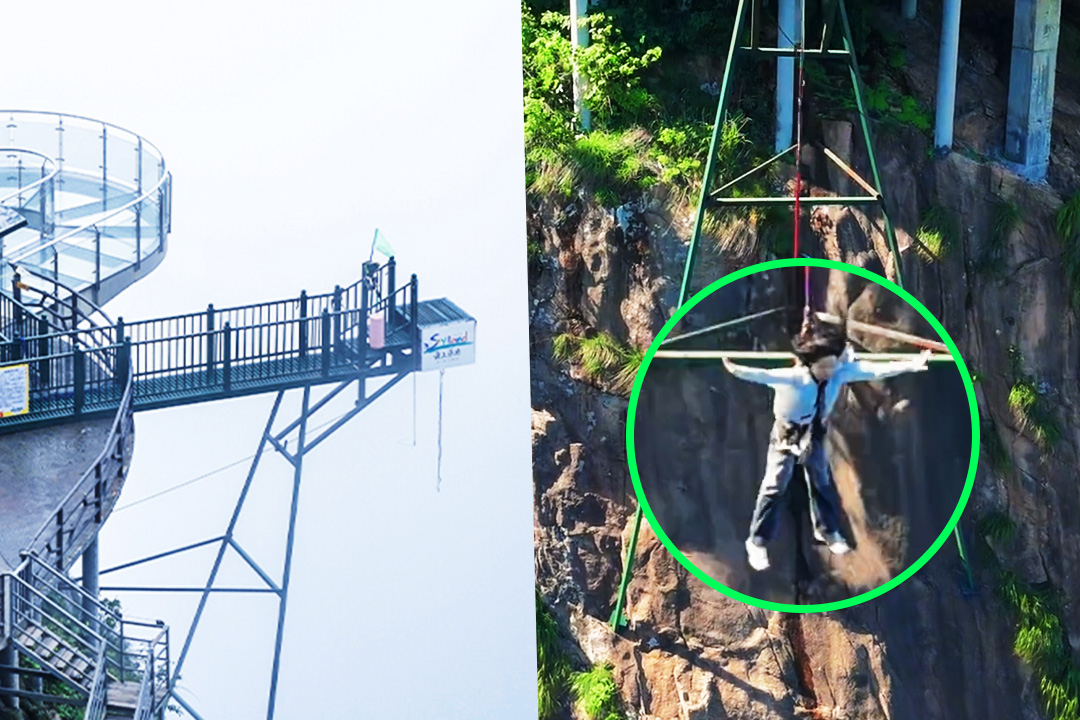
<point>596,694</point>
<point>593,692</point>
<point>1068,227</point>
<point>552,667</point>
<point>602,358</point>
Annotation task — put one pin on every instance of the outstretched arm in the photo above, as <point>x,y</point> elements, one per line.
<point>780,376</point>
<point>860,370</point>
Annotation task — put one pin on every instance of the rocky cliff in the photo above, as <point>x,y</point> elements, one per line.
<point>927,649</point>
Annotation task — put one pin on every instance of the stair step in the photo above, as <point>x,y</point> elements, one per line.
<point>123,695</point>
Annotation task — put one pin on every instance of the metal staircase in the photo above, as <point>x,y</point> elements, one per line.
<point>120,666</point>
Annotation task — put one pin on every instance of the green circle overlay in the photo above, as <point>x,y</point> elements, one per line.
<point>787,607</point>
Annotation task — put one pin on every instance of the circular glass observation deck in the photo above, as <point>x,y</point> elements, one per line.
<point>95,197</point>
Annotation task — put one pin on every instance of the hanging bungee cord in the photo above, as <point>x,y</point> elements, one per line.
<point>798,178</point>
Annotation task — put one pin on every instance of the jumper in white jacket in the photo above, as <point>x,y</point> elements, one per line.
<point>796,388</point>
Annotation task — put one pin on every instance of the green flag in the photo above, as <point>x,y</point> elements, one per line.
<point>380,243</point>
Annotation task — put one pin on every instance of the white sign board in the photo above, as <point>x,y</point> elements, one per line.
<point>448,345</point>
<point>14,390</point>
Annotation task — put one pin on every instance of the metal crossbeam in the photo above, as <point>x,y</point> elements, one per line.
<point>270,439</point>
<point>764,355</point>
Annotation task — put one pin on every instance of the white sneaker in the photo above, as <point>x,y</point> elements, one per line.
<point>757,555</point>
<point>836,542</point>
<point>840,547</point>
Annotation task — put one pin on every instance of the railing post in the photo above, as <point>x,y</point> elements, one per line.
<point>211,370</point>
<point>391,286</point>
<point>414,320</point>
<point>325,342</point>
<point>123,653</point>
<point>79,357</point>
<point>16,292</point>
<point>43,352</point>
<point>337,318</point>
<point>303,324</point>
<point>60,539</point>
<point>74,315</point>
<point>138,206</point>
<point>97,261</point>
<point>226,371</point>
<point>124,364</point>
<point>8,656</point>
<point>363,334</point>
<point>104,168</point>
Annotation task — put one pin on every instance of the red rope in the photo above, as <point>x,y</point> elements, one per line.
<point>798,177</point>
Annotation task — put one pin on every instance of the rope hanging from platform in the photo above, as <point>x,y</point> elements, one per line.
<point>438,471</point>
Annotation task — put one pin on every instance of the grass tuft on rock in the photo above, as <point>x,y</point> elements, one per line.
<point>595,693</point>
<point>1068,227</point>
<point>996,526</point>
<point>603,359</point>
<point>1005,220</point>
<point>1032,412</point>
<point>552,667</point>
<point>1041,641</point>
<point>993,446</point>
<point>938,235</point>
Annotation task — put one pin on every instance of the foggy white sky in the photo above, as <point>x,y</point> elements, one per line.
<point>293,130</point>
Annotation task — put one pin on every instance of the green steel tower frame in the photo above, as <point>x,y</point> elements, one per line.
<point>834,14</point>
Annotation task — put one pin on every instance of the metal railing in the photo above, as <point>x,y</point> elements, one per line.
<point>96,706</point>
<point>80,640</point>
<point>74,340</point>
<point>42,174</point>
<point>154,687</point>
<point>63,537</point>
<point>217,352</point>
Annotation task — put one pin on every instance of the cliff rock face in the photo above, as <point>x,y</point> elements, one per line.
<point>923,650</point>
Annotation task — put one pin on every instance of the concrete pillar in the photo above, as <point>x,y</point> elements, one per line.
<point>90,582</point>
<point>908,9</point>
<point>90,579</point>
<point>579,38</point>
<point>8,680</point>
<point>946,84</point>
<point>1036,24</point>
<point>789,17</point>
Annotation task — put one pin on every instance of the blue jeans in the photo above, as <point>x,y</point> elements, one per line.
<point>779,467</point>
